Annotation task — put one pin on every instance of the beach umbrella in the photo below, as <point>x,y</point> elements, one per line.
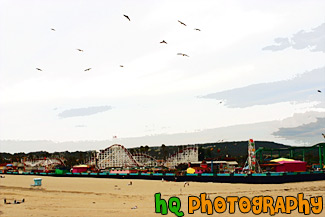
<point>190,170</point>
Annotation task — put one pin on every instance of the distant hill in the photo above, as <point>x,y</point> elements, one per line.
<point>220,150</point>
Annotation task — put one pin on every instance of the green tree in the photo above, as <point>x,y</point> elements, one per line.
<point>201,153</point>
<point>163,150</point>
<point>208,153</point>
<point>146,148</point>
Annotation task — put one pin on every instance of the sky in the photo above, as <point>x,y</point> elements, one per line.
<point>252,71</point>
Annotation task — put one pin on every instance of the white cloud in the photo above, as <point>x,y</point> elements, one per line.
<point>303,88</point>
<point>83,111</point>
<point>313,40</point>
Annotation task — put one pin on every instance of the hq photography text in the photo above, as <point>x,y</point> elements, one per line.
<point>233,204</point>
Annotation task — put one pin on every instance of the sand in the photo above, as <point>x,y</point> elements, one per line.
<point>114,197</point>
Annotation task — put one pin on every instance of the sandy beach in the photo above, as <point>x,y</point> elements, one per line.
<point>114,197</point>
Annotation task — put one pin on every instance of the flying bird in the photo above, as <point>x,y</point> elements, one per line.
<point>183,54</point>
<point>323,135</point>
<point>197,29</point>
<point>127,17</point>
<point>121,66</point>
<point>80,50</point>
<point>87,69</point>
<point>319,91</point>
<point>52,29</point>
<point>163,41</point>
<point>182,23</point>
<point>39,69</point>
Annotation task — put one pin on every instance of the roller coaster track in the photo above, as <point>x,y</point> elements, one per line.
<point>46,162</point>
<point>186,155</point>
<point>145,159</point>
<point>116,156</point>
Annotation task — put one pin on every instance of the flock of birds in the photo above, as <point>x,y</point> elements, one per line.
<point>162,42</point>
<point>127,17</point>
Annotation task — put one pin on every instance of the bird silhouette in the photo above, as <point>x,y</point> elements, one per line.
<point>52,29</point>
<point>80,50</point>
<point>39,69</point>
<point>197,29</point>
<point>182,23</point>
<point>163,41</point>
<point>323,135</point>
<point>319,91</point>
<point>127,17</point>
<point>183,54</point>
<point>121,66</point>
<point>87,69</point>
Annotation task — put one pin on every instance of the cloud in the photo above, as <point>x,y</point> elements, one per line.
<point>314,40</point>
<point>320,105</point>
<point>300,89</point>
<point>306,133</point>
<point>80,125</point>
<point>282,43</point>
<point>83,111</point>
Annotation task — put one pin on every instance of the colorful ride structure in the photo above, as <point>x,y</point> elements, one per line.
<point>42,165</point>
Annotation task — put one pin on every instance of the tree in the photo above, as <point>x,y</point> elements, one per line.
<point>146,148</point>
<point>201,153</point>
<point>131,150</point>
<point>208,153</point>
<point>163,150</point>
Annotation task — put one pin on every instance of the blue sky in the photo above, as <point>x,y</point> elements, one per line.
<point>252,64</point>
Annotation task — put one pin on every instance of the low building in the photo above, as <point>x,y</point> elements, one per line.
<point>122,171</point>
<point>291,166</point>
<point>285,165</point>
<point>80,169</point>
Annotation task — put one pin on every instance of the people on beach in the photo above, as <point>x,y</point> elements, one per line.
<point>15,201</point>
<point>19,202</point>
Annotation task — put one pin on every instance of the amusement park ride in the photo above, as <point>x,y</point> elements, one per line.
<point>186,155</point>
<point>251,164</point>
<point>117,156</point>
<point>45,164</point>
